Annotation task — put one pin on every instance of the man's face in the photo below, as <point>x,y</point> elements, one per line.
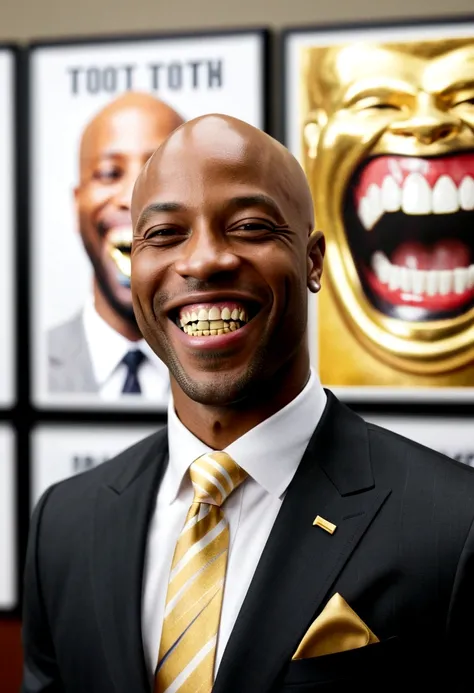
<point>390,153</point>
<point>219,266</point>
<point>116,149</point>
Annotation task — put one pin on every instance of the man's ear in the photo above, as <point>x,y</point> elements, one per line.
<point>316,252</point>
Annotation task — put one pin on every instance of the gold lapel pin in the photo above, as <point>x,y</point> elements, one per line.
<point>325,524</point>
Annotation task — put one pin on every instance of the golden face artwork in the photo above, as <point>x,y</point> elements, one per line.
<point>388,143</point>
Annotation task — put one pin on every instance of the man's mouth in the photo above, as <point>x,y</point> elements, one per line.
<point>120,245</point>
<point>410,226</point>
<point>213,319</point>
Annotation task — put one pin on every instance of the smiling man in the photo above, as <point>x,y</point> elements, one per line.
<point>101,350</point>
<point>269,539</point>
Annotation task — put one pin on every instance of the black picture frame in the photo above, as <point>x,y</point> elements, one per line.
<point>91,407</point>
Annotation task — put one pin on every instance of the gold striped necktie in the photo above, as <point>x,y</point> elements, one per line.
<point>196,583</point>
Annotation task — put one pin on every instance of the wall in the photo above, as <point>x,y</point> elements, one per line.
<point>21,20</point>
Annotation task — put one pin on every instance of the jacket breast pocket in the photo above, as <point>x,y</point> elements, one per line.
<point>376,667</point>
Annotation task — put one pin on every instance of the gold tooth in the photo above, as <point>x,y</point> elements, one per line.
<point>235,314</point>
<point>206,333</point>
<point>214,333</point>
<point>203,325</point>
<point>216,324</point>
<point>220,331</point>
<point>214,313</point>
<point>225,314</point>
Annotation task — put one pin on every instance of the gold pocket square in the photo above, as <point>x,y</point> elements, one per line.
<point>337,629</point>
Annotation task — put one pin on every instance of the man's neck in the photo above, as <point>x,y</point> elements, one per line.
<point>124,327</point>
<point>218,427</point>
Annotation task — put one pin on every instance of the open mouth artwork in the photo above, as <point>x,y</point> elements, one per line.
<point>120,247</point>
<point>410,228</point>
<point>212,319</point>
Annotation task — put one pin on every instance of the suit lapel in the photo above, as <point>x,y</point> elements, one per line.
<point>122,517</point>
<point>301,562</point>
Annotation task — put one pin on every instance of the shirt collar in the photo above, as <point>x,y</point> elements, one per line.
<point>270,453</point>
<point>107,347</point>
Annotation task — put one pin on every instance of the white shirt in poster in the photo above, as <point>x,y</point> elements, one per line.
<point>107,349</point>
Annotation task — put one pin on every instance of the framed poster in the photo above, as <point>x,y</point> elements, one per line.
<point>98,110</point>
<point>382,120</point>
<point>7,224</point>
<point>452,436</point>
<point>8,528</point>
<point>61,451</point>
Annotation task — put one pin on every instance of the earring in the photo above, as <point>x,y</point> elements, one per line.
<point>314,286</point>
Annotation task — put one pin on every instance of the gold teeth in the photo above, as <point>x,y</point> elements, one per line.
<point>214,314</point>
<point>122,260</point>
<point>206,328</point>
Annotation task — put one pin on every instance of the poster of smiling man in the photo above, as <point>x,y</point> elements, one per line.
<point>98,111</point>
<point>382,119</point>
<point>7,224</point>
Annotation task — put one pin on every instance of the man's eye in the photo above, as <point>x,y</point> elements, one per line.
<point>372,104</point>
<point>465,102</point>
<point>108,175</point>
<point>164,234</point>
<point>254,226</point>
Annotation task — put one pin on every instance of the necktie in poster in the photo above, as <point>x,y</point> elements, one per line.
<point>382,119</point>
<point>98,112</point>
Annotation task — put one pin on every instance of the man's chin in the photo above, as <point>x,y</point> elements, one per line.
<point>214,389</point>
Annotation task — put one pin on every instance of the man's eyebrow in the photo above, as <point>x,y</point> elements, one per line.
<point>156,208</point>
<point>257,200</point>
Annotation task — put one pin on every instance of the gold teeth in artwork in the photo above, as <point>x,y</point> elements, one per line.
<point>208,328</point>
<point>121,257</point>
<point>213,314</point>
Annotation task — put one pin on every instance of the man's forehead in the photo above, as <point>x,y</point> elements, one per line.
<point>180,162</point>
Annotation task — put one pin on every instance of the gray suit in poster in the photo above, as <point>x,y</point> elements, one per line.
<point>69,362</point>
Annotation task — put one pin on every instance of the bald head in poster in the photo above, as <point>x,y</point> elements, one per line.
<point>114,146</point>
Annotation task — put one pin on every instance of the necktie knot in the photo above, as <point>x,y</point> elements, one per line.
<point>132,360</point>
<point>215,476</point>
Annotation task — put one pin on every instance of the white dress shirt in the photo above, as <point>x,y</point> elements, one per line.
<point>270,453</point>
<point>107,349</point>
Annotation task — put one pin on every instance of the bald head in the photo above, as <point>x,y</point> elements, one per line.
<point>114,148</point>
<point>222,218</point>
<point>234,143</point>
<point>128,111</point>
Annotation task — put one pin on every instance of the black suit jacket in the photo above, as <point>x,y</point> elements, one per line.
<point>402,556</point>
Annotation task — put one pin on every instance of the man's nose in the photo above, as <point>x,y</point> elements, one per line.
<point>206,254</point>
<point>429,123</point>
